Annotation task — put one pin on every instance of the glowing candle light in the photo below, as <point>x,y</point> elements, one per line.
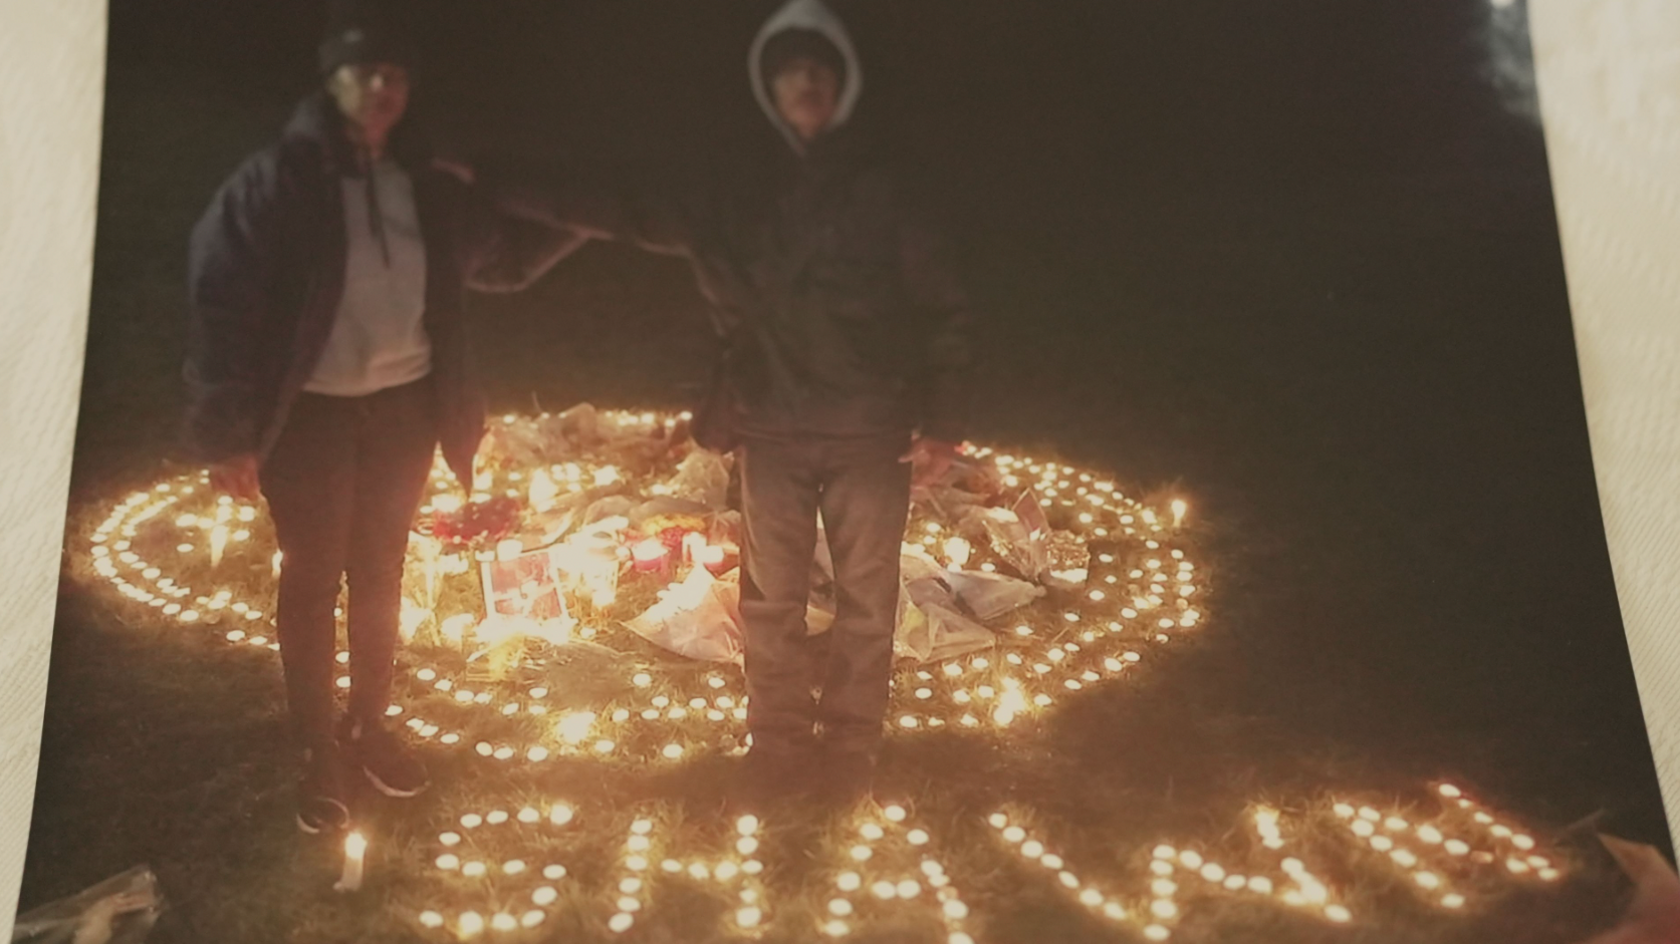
<point>542,491</point>
<point>710,557</point>
<point>575,726</point>
<point>649,555</point>
<point>278,555</point>
<point>454,629</point>
<point>355,854</point>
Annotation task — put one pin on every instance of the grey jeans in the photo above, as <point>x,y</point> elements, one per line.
<point>862,491</point>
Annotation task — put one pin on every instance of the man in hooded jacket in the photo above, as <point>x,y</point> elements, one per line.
<point>844,376</point>
<point>327,363</point>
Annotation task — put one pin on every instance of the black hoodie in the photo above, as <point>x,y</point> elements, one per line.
<point>266,272</point>
<point>839,313</point>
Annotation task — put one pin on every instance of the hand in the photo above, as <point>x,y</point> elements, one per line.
<point>237,477</point>
<point>931,459</point>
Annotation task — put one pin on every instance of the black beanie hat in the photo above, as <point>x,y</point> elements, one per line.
<point>791,44</point>
<point>364,31</point>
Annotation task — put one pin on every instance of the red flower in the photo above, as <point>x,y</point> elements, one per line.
<point>477,524</point>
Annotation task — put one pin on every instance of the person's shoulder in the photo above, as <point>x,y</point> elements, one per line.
<point>268,172</point>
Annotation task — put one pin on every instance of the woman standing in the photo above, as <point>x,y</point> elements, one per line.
<point>329,362</point>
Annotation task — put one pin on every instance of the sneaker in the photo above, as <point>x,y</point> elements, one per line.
<point>388,765</point>
<point>322,801</point>
<point>848,777</point>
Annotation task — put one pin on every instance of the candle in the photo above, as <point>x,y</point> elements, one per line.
<point>958,550</point>
<point>650,555</point>
<point>600,576</point>
<point>355,853</point>
<point>218,544</point>
<point>575,726</point>
<point>710,557</point>
<point>509,549</point>
<point>1178,509</point>
<point>277,556</point>
<point>693,545</point>
<point>454,629</point>
<point>543,491</point>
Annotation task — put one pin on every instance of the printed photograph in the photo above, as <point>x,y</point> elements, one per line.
<point>835,470</point>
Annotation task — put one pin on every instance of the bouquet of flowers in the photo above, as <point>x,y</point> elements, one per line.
<point>476,524</point>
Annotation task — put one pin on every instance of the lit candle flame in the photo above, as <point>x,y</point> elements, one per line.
<point>543,490</point>
<point>355,855</point>
<point>218,544</point>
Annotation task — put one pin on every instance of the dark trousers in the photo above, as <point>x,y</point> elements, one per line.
<point>343,483</point>
<point>863,492</point>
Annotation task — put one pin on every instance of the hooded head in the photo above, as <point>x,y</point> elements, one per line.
<point>365,32</point>
<point>367,60</point>
<point>789,57</point>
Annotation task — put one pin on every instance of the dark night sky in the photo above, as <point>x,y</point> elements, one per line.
<point>1294,253</point>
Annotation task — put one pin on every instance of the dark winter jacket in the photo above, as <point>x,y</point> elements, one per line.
<point>267,271</point>
<point>838,310</point>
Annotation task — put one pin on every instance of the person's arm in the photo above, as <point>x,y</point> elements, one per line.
<point>598,205</point>
<point>506,253</point>
<point>232,257</point>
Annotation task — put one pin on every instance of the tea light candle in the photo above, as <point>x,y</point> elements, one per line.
<point>649,555</point>
<point>710,557</point>
<point>543,491</point>
<point>355,854</point>
<point>218,544</point>
<point>509,549</point>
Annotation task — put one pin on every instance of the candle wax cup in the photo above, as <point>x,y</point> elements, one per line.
<point>650,556</point>
<point>355,855</point>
